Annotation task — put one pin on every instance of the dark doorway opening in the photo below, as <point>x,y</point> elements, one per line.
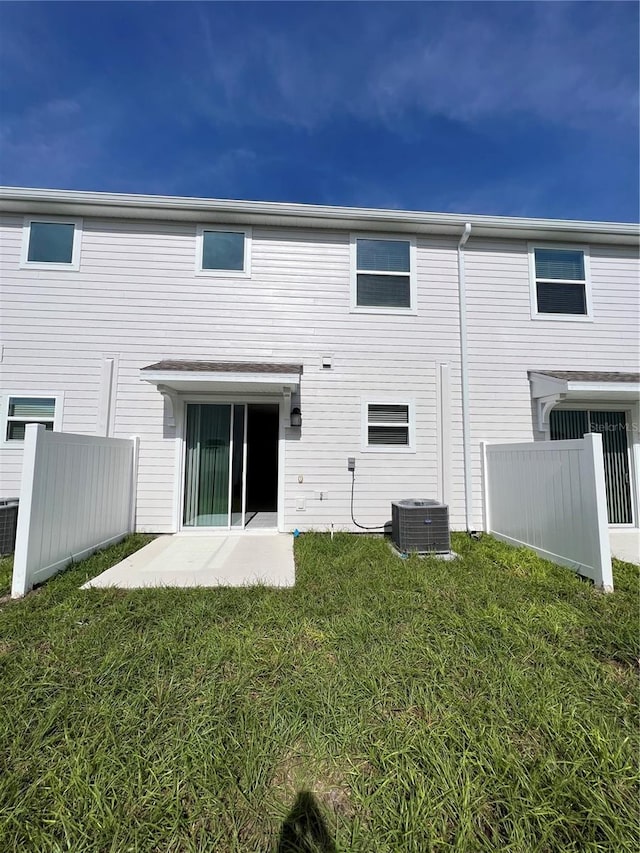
<point>574,423</point>
<point>262,458</point>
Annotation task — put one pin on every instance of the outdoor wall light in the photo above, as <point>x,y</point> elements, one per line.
<point>296,417</point>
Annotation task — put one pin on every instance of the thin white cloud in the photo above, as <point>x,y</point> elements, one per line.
<point>225,87</point>
<point>479,68</point>
<point>466,64</point>
<point>58,141</point>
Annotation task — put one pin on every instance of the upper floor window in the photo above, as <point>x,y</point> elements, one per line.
<point>28,410</point>
<point>223,251</point>
<point>560,282</point>
<point>51,243</point>
<point>383,274</point>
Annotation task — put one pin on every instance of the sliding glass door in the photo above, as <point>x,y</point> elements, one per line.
<point>574,423</point>
<point>214,483</point>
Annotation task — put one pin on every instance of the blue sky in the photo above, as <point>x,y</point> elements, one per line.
<point>507,108</point>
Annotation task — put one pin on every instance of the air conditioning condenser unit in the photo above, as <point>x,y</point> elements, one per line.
<point>420,525</point>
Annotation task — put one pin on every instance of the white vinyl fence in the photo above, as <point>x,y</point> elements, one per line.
<point>78,495</point>
<point>550,496</point>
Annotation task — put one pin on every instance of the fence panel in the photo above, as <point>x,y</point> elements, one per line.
<point>550,496</point>
<point>77,495</point>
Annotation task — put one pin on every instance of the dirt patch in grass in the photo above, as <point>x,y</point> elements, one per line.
<point>300,771</point>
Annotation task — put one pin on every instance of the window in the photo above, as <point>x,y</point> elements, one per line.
<point>28,410</point>
<point>383,274</point>
<point>560,282</point>
<point>223,251</point>
<point>387,426</point>
<point>51,244</point>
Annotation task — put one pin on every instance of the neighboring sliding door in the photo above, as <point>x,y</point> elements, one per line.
<point>214,483</point>
<point>568,424</point>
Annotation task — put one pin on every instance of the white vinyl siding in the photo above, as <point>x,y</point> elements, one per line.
<point>383,274</point>
<point>51,243</point>
<point>560,282</point>
<point>57,330</point>
<point>223,251</point>
<point>504,343</point>
<point>137,298</point>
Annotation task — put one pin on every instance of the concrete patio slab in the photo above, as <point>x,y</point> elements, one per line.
<point>194,560</point>
<point>625,543</point>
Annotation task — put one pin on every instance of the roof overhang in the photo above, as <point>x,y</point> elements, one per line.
<point>578,386</point>
<point>548,390</point>
<point>222,378</point>
<point>279,214</point>
<point>214,383</point>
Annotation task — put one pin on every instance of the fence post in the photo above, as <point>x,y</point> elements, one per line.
<point>595,461</point>
<point>486,510</point>
<point>34,434</point>
<point>134,482</point>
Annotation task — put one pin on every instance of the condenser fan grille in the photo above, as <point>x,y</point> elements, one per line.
<point>420,525</point>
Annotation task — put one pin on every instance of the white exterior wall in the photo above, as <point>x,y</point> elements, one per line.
<point>136,298</point>
<point>505,342</point>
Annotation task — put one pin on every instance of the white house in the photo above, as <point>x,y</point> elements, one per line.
<point>256,348</point>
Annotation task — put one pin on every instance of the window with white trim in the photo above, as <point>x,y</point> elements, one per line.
<point>560,281</point>
<point>383,274</point>
<point>51,243</point>
<point>28,410</point>
<point>223,251</point>
<point>388,425</point>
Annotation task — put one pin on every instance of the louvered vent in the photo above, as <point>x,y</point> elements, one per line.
<point>388,424</point>
<point>421,526</point>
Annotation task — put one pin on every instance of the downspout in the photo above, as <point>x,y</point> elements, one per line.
<point>464,381</point>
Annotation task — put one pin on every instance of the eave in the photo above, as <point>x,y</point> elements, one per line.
<point>52,202</point>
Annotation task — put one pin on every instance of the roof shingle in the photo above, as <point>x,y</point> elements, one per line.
<point>225,367</point>
<point>589,375</point>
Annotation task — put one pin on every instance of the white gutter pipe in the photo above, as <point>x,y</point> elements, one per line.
<point>464,381</point>
<point>130,206</point>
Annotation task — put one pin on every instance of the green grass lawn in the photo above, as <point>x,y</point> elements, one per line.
<point>382,705</point>
<point>6,566</point>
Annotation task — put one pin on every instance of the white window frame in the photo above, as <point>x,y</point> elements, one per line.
<point>387,448</point>
<point>586,282</point>
<point>412,274</point>
<point>57,397</point>
<point>77,223</point>
<point>214,226</point>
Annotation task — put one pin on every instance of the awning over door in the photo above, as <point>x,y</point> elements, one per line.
<point>177,378</point>
<point>211,376</point>
<point>551,387</point>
